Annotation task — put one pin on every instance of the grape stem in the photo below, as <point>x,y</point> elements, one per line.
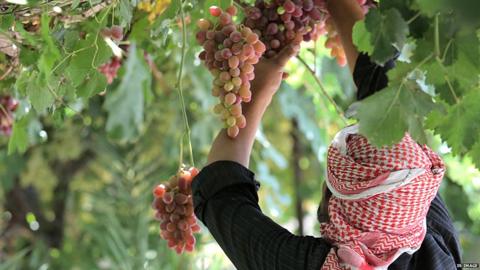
<point>324,91</point>
<point>411,20</point>
<point>6,73</point>
<point>437,36</point>
<point>240,3</point>
<point>180,90</point>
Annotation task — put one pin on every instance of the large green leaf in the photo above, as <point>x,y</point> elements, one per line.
<point>362,38</point>
<point>19,139</point>
<point>50,54</point>
<point>89,54</point>
<point>388,33</point>
<point>94,83</point>
<point>40,93</point>
<point>460,126</point>
<point>125,105</point>
<point>387,115</point>
<point>429,7</point>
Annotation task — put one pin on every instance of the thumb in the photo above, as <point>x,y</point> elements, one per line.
<point>286,53</point>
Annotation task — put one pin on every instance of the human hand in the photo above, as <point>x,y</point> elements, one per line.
<point>269,73</point>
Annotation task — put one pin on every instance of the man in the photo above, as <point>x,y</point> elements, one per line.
<point>226,201</point>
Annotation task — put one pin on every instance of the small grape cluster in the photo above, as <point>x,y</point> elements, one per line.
<point>174,209</point>
<point>230,53</point>
<point>110,69</point>
<point>115,32</point>
<point>279,22</point>
<point>8,105</point>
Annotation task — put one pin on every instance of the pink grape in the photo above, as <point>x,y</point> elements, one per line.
<point>289,6</point>
<point>233,131</point>
<point>226,53</point>
<point>225,18</point>
<point>117,32</point>
<point>204,24</point>
<point>215,11</point>
<point>233,62</point>
<point>236,36</point>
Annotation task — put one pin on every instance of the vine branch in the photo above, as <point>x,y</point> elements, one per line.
<point>240,3</point>
<point>322,88</point>
<point>180,87</point>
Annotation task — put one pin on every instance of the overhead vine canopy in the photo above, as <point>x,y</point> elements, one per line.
<point>52,52</point>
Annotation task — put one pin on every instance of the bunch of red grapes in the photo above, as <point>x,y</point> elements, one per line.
<point>174,206</point>
<point>230,51</point>
<point>110,69</point>
<point>279,22</point>
<point>8,105</point>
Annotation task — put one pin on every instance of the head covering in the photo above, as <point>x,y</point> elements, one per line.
<point>380,199</point>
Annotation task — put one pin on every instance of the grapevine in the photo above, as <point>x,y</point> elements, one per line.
<point>174,209</point>
<point>230,53</point>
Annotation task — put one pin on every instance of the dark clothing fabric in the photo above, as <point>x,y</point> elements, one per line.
<point>370,77</point>
<point>226,201</point>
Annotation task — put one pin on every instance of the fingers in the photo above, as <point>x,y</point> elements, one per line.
<point>289,51</point>
<point>284,55</point>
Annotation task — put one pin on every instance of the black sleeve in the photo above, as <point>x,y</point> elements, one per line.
<point>440,222</point>
<point>225,200</point>
<point>369,77</point>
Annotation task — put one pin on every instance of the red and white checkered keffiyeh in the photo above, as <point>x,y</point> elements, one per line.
<point>380,199</point>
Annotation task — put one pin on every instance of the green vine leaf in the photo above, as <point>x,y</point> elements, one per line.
<point>387,115</point>
<point>89,54</point>
<point>125,105</point>
<point>19,139</point>
<point>388,32</point>
<point>430,8</point>
<point>50,54</point>
<point>41,96</point>
<point>460,126</point>
<point>361,38</point>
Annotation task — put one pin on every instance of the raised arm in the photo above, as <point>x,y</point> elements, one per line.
<point>345,13</point>
<point>268,76</point>
<point>369,77</point>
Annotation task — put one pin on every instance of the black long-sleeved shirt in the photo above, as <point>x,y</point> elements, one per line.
<point>226,201</point>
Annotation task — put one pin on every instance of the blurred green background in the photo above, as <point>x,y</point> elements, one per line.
<point>79,200</point>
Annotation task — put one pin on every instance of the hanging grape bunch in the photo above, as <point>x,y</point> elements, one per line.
<point>8,105</point>
<point>279,22</point>
<point>230,51</point>
<point>110,69</point>
<point>174,209</point>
